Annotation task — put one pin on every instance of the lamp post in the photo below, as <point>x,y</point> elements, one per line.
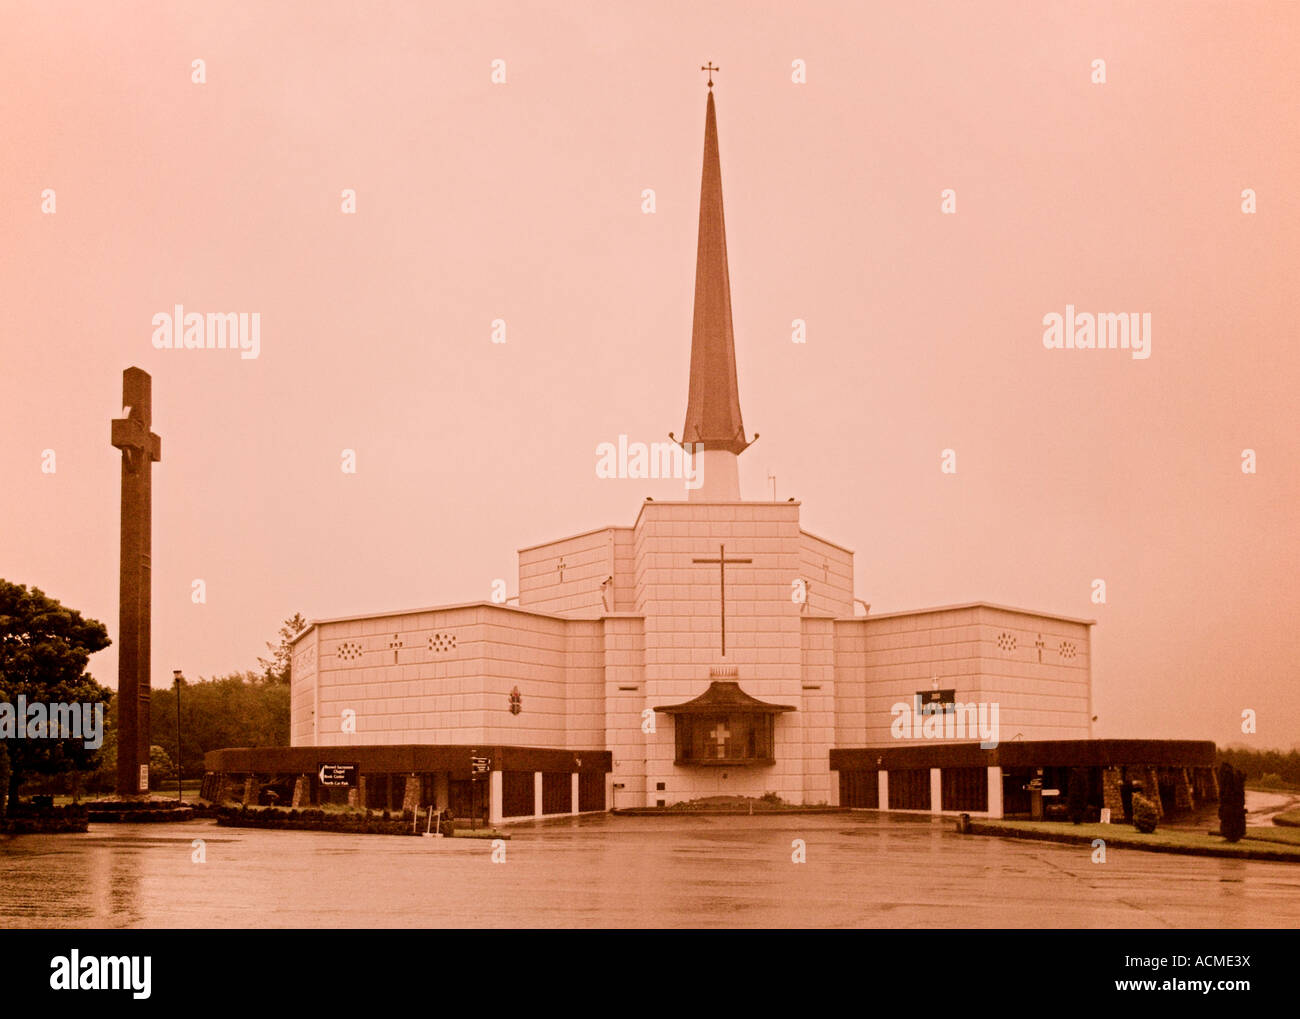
<point>176,679</point>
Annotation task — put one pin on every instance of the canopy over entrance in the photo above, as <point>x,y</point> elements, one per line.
<point>724,726</point>
<point>723,696</point>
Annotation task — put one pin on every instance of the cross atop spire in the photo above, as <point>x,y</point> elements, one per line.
<point>710,68</point>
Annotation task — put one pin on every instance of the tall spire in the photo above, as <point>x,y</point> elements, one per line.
<point>713,421</point>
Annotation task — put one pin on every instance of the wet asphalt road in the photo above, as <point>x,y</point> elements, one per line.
<point>602,871</point>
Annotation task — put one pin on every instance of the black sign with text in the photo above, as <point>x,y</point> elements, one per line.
<point>338,774</point>
<point>935,702</point>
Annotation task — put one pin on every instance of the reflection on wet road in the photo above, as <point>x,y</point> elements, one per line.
<point>602,871</point>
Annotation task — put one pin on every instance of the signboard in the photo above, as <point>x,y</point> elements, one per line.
<point>480,766</point>
<point>935,702</point>
<point>338,774</point>
<point>144,778</point>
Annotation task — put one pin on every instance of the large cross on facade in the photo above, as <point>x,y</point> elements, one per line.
<point>141,449</point>
<point>722,562</point>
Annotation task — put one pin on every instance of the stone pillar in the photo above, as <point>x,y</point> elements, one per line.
<point>494,798</point>
<point>411,798</point>
<point>995,791</point>
<point>1111,796</point>
<point>537,794</point>
<point>882,789</point>
<point>936,790</point>
<point>302,791</point>
<point>362,800</point>
<point>1151,789</point>
<point>1207,785</point>
<point>252,787</point>
<point>354,797</point>
<point>441,791</point>
<point>1182,790</point>
<point>573,795</point>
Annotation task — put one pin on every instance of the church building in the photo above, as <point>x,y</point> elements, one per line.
<point>706,647</point>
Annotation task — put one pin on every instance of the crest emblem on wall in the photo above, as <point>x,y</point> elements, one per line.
<point>516,701</point>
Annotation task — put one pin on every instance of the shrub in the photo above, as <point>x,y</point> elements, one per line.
<point>1144,814</point>
<point>1232,803</point>
<point>1076,803</point>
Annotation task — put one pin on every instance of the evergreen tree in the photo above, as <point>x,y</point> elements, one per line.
<point>1232,803</point>
<point>276,668</point>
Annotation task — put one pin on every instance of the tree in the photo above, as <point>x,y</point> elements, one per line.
<point>239,710</point>
<point>1232,803</point>
<point>1077,795</point>
<point>245,709</point>
<point>44,648</point>
<point>276,668</point>
<point>1255,764</point>
<point>104,777</point>
<point>161,767</point>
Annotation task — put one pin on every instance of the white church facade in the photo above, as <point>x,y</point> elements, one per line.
<point>710,647</point>
<point>614,626</point>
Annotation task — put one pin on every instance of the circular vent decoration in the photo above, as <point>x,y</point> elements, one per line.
<point>441,643</point>
<point>1007,641</point>
<point>1068,650</point>
<point>349,650</point>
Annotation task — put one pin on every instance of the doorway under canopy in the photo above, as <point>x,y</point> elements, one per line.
<point>724,726</point>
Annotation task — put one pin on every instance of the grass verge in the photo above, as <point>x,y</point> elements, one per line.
<point>1259,843</point>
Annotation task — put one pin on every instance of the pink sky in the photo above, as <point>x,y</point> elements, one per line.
<point>522,201</point>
